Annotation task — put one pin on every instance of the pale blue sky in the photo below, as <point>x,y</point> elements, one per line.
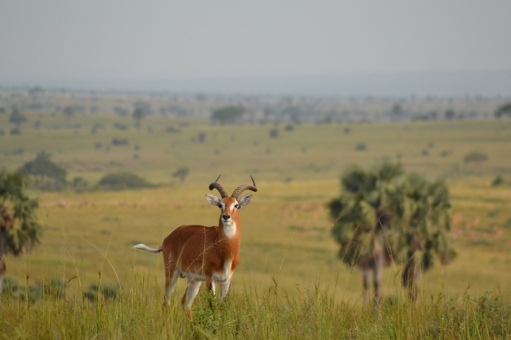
<point>129,39</point>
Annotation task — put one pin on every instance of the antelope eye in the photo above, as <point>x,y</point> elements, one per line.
<point>237,206</point>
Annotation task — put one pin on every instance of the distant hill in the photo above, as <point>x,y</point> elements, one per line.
<point>422,84</point>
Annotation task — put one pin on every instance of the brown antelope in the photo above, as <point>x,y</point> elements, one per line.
<point>199,253</point>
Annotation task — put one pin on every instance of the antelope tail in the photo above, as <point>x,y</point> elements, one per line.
<point>146,248</point>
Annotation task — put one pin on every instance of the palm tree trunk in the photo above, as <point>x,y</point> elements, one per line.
<point>365,283</point>
<point>378,253</point>
<point>3,267</point>
<point>2,261</point>
<point>410,274</point>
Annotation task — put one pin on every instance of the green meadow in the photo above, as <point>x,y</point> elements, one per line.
<point>290,282</point>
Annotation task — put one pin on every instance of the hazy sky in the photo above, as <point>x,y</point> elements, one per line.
<point>129,39</point>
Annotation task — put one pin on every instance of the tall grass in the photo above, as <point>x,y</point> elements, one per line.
<point>254,313</point>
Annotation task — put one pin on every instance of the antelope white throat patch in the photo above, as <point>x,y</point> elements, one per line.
<point>229,228</point>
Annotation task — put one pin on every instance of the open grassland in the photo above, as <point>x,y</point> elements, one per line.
<point>309,152</point>
<point>257,313</point>
<point>290,282</point>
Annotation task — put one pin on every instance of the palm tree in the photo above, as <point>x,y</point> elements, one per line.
<point>362,222</point>
<point>385,215</point>
<point>19,229</point>
<point>422,217</point>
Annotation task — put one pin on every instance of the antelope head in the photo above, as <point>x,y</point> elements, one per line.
<point>230,205</point>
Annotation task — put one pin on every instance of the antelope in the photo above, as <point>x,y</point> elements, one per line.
<point>199,253</point>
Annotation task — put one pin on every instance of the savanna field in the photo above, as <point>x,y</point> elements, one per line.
<point>290,282</point>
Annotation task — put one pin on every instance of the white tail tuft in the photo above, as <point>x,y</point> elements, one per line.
<point>146,248</point>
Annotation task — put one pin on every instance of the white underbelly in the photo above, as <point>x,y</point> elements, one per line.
<point>224,275</point>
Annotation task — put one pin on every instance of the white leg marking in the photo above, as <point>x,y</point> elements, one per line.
<point>193,289</point>
<point>224,288</point>
<point>213,287</point>
<point>172,285</point>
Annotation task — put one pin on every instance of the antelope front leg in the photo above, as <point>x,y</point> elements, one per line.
<point>224,289</point>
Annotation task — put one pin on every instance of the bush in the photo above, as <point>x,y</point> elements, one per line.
<point>109,291</point>
<point>274,133</point>
<point>46,174</point>
<point>120,141</point>
<point>172,129</point>
<point>122,181</point>
<point>228,114</point>
<point>80,184</point>
<point>360,147</point>
<point>120,126</point>
<point>498,181</point>
<point>475,157</point>
<point>55,288</point>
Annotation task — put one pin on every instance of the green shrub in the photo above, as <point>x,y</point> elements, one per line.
<point>123,180</point>
<point>274,133</point>
<point>475,157</point>
<point>120,141</point>
<point>108,291</point>
<point>497,181</point>
<point>172,129</point>
<point>360,147</point>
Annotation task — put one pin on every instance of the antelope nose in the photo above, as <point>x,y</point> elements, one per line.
<point>226,217</point>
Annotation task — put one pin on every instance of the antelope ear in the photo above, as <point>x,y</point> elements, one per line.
<point>213,200</point>
<point>244,200</point>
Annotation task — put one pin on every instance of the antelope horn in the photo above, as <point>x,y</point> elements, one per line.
<point>219,187</point>
<point>244,187</point>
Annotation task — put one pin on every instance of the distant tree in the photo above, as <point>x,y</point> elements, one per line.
<point>43,169</point>
<point>19,229</point>
<point>504,110</point>
<point>121,111</point>
<point>294,113</point>
<point>202,137</point>
<point>360,147</point>
<point>181,173</point>
<point>37,125</point>
<point>138,115</point>
<point>497,181</point>
<point>80,184</point>
<point>122,181</point>
<point>17,118</point>
<point>36,90</point>
<point>140,104</point>
<point>289,127</point>
<point>475,157</point>
<point>274,133</point>
<point>387,214</point>
<point>396,112</point>
<point>68,113</point>
<point>449,114</point>
<point>228,115</point>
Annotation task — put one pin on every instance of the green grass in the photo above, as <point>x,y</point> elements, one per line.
<point>88,237</point>
<point>262,312</point>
